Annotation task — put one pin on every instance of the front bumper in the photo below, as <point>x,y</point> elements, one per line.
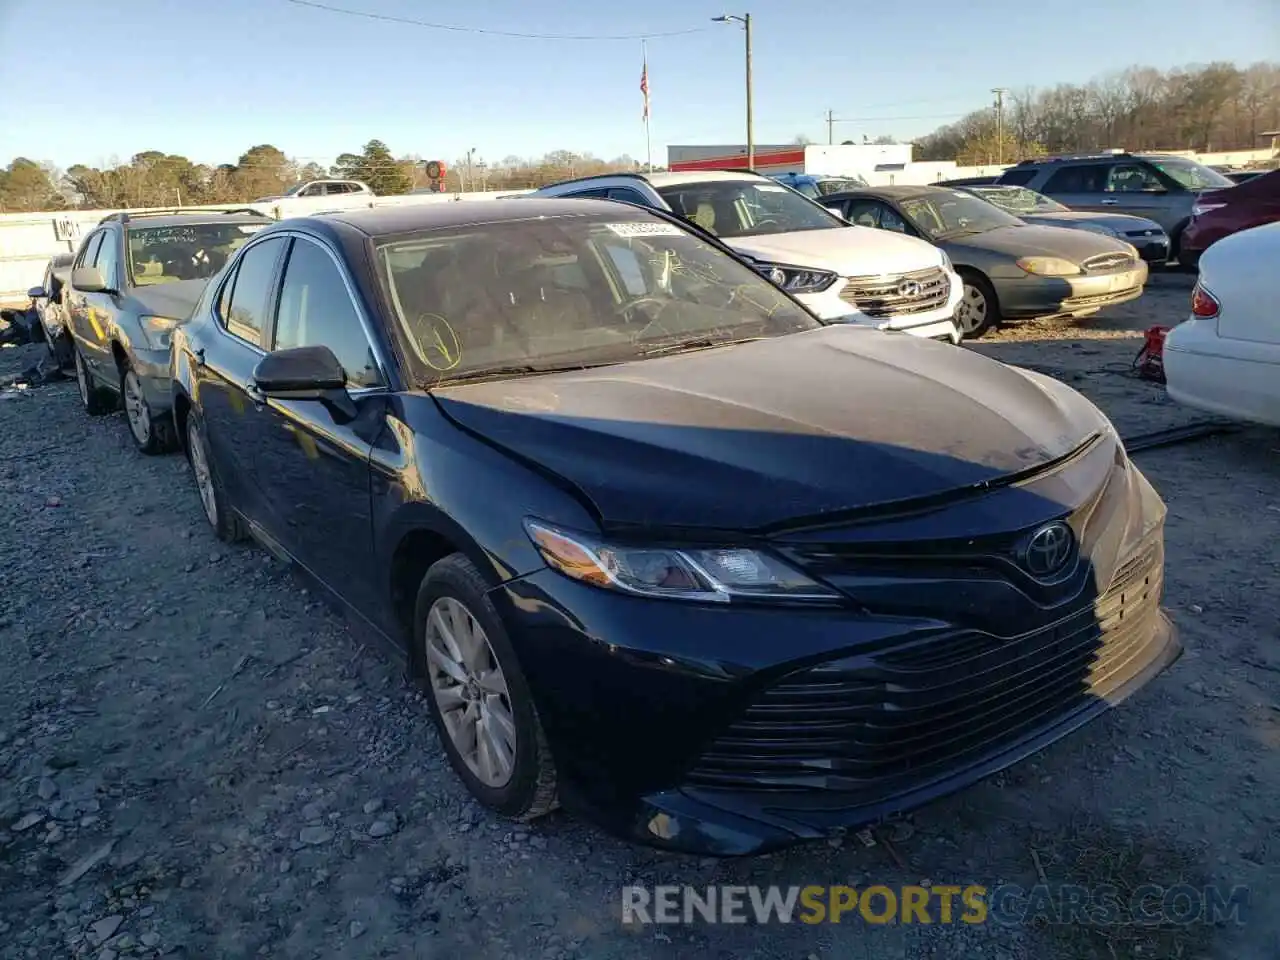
<point>1046,297</point>
<point>152,367</point>
<point>1151,249</point>
<point>731,730</point>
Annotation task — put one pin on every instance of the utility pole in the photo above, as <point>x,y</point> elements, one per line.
<point>745,20</point>
<point>999,92</point>
<point>831,124</point>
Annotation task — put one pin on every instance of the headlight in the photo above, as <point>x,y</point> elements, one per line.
<point>796,279</point>
<point>715,574</point>
<point>157,331</point>
<point>1049,266</point>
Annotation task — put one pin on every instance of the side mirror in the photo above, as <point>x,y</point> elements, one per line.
<point>37,293</point>
<point>306,373</point>
<point>88,280</point>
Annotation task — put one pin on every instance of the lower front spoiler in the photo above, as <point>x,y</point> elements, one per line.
<point>733,824</point>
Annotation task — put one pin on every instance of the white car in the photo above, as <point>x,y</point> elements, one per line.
<point>322,188</point>
<point>839,271</point>
<point>1225,358</point>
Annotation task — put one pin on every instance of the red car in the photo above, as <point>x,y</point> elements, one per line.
<point>1220,213</point>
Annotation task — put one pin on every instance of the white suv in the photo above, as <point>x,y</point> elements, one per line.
<point>839,271</point>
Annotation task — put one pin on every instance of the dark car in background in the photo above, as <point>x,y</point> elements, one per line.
<point>1160,187</point>
<point>134,279</point>
<point>660,544</point>
<point>1027,205</point>
<point>1010,269</point>
<point>1220,213</point>
<point>50,308</point>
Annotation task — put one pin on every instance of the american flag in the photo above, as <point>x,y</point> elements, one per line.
<point>644,87</point>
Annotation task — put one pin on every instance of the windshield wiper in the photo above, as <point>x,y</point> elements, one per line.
<point>522,370</point>
<point>695,343</point>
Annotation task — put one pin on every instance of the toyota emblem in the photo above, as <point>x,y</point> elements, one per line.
<point>908,288</point>
<point>1048,551</point>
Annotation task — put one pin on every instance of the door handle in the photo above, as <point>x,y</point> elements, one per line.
<point>1109,203</point>
<point>256,395</point>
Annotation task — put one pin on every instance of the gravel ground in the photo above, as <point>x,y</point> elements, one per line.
<point>198,759</point>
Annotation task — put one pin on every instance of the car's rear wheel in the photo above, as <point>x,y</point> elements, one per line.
<point>213,498</point>
<point>979,310</point>
<point>95,400</point>
<point>152,434</point>
<point>478,695</point>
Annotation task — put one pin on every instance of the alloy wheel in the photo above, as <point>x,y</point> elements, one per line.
<point>471,691</point>
<point>135,408</point>
<point>203,475</point>
<point>972,313</point>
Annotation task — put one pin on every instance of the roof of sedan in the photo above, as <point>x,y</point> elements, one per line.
<point>903,191</point>
<point>406,218</point>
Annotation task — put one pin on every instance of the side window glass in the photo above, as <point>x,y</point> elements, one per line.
<point>89,252</point>
<point>864,213</point>
<point>246,309</point>
<point>224,295</point>
<point>1078,179</point>
<point>627,194</point>
<point>589,194</point>
<point>316,310</point>
<point>1132,178</point>
<point>890,220</point>
<point>314,190</point>
<point>627,263</point>
<point>1018,178</point>
<point>108,258</point>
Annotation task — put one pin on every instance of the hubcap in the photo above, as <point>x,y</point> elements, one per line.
<point>200,467</point>
<point>136,409</point>
<point>471,692</point>
<point>973,309</point>
<point>82,380</point>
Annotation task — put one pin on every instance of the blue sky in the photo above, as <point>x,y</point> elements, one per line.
<point>211,79</point>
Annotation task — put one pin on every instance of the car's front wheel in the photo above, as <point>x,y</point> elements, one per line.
<point>478,695</point>
<point>95,400</point>
<point>213,497</point>
<point>152,434</point>
<point>979,310</point>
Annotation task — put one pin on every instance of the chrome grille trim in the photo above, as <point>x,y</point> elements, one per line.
<point>1108,262</point>
<point>898,295</point>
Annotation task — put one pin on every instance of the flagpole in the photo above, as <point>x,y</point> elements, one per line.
<point>648,143</point>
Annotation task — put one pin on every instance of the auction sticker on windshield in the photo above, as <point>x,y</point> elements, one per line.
<point>770,188</point>
<point>645,229</point>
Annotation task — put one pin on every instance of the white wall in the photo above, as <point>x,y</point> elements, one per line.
<point>28,240</point>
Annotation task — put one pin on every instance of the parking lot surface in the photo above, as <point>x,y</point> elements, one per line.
<point>198,759</point>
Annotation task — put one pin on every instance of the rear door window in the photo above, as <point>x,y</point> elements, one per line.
<point>1078,178</point>
<point>1018,178</point>
<point>627,194</point>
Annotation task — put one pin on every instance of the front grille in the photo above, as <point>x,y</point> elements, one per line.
<point>900,295</point>
<point>1108,262</point>
<point>864,729</point>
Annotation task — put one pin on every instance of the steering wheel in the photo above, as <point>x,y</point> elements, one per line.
<point>624,310</point>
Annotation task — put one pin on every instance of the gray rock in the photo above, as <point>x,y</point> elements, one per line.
<point>356,929</point>
<point>106,928</point>
<point>315,836</point>
<point>372,806</point>
<point>47,789</point>
<point>381,828</point>
<point>150,939</point>
<point>27,822</point>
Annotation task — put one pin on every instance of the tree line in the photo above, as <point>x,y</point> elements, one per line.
<point>1206,108</point>
<point>157,179</point>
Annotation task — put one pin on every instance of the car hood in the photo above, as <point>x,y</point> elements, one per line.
<point>787,430</point>
<point>848,251</point>
<point>174,300</point>
<point>1039,241</point>
<point>1120,222</point>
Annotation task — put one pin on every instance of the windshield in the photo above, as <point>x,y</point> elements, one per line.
<point>194,251</point>
<point>1192,175</point>
<point>570,292</point>
<point>295,188</point>
<point>952,211</point>
<point>1018,200</point>
<point>746,208</point>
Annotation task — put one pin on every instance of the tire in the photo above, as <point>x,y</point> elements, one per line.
<point>454,586</point>
<point>151,434</point>
<point>979,310</point>
<point>96,401</point>
<point>226,524</point>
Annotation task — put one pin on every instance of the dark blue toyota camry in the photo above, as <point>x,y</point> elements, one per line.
<point>661,546</point>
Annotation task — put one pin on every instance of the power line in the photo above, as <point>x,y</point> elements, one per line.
<point>455,28</point>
